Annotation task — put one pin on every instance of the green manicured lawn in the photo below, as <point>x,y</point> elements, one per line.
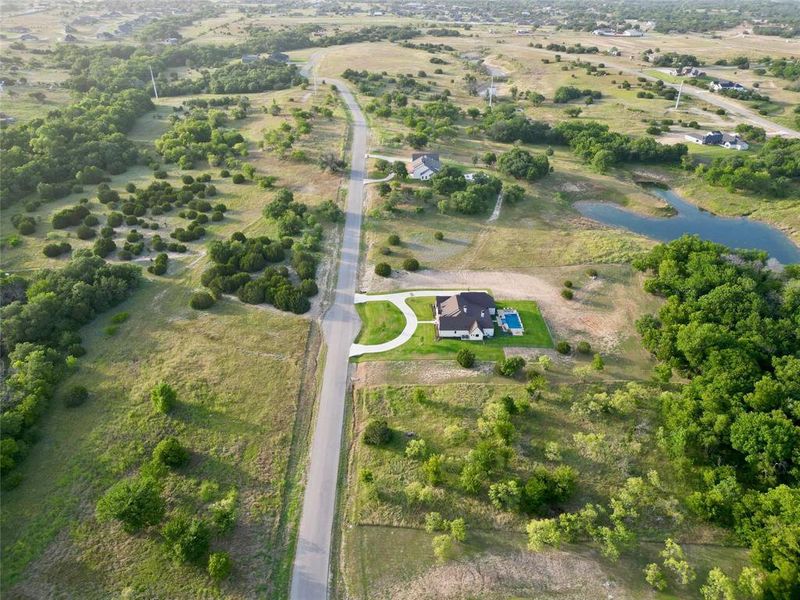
<point>424,345</point>
<point>381,321</point>
<point>422,307</point>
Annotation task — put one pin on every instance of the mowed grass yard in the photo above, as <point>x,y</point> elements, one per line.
<point>381,321</point>
<point>424,345</point>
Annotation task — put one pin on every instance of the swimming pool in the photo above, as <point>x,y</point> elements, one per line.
<point>512,320</point>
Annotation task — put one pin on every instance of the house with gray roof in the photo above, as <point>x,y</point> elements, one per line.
<point>424,165</point>
<point>465,316</point>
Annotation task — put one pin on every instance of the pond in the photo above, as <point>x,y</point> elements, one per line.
<point>736,232</point>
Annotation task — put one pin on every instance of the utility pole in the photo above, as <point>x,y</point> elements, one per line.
<point>153,79</point>
<point>678,99</point>
<point>491,91</point>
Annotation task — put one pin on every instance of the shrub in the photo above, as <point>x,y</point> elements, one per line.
<point>186,540</point>
<point>563,347</point>
<point>385,250</point>
<point>163,397</point>
<point>56,249</point>
<point>568,283</point>
<point>219,565</point>
<point>376,433</point>
<point>224,173</point>
<point>591,272</point>
<point>394,240</point>
<point>135,502</point>
<point>509,367</point>
<point>85,232</point>
<point>584,347</point>
<point>438,236</point>
<point>201,300</point>
<point>308,287</point>
<point>90,220</point>
<point>104,246</point>
<point>567,294</point>
<point>383,269</point>
<point>76,395</point>
<point>170,452</point>
<point>466,358</point>
<point>458,529</point>
<point>416,449</point>
<point>223,512</point>
<point>411,264</point>
<point>238,178</point>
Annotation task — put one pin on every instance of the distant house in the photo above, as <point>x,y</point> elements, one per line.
<point>606,32</point>
<point>69,38</point>
<point>105,36</point>
<point>250,58</point>
<point>690,72</point>
<point>720,85</point>
<point>28,37</point>
<point>717,138</point>
<point>466,316</point>
<point>171,41</point>
<point>278,57</point>
<point>734,142</point>
<point>424,165</point>
<point>6,119</point>
<point>524,32</point>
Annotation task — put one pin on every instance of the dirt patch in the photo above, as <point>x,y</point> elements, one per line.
<point>373,373</point>
<point>602,312</point>
<point>523,574</point>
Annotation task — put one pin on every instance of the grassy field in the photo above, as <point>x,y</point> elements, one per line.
<point>246,431</point>
<point>388,554</point>
<point>237,423</point>
<point>381,321</point>
<point>424,344</point>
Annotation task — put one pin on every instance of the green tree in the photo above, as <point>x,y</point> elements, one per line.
<point>135,502</point>
<point>655,577</point>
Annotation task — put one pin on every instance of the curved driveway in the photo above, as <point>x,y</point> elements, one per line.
<point>399,300</point>
<point>340,324</point>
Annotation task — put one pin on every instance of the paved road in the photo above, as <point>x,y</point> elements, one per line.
<point>310,577</point>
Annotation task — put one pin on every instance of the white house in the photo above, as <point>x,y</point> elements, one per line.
<point>733,141</point>
<point>717,138</point>
<point>720,85</point>
<point>466,316</point>
<point>424,165</point>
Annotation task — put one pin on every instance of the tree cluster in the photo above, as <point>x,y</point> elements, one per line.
<point>39,327</point>
<point>732,327</point>
<point>47,153</point>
